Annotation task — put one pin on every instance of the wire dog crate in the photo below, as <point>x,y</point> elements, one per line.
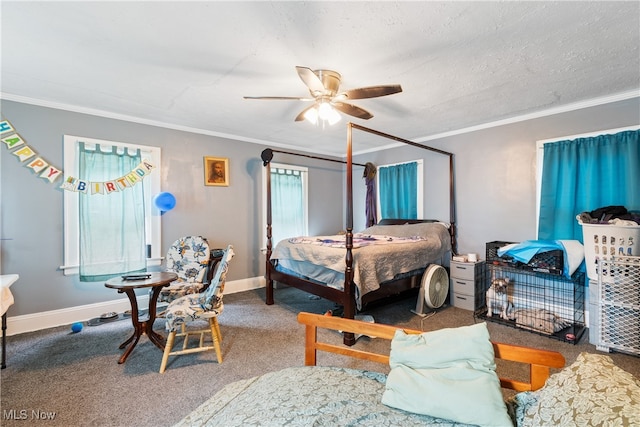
<point>619,305</point>
<point>543,303</point>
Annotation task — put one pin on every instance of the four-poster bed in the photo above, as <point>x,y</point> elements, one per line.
<point>431,246</point>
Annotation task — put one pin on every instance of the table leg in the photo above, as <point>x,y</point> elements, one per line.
<point>155,337</point>
<point>124,344</point>
<point>137,327</point>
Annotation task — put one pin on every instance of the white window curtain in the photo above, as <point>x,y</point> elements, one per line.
<point>112,226</point>
<point>287,203</point>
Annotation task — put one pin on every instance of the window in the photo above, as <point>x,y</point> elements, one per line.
<point>289,202</point>
<point>77,148</point>
<point>584,172</point>
<point>400,192</point>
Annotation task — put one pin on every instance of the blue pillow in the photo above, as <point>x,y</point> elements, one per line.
<point>449,374</point>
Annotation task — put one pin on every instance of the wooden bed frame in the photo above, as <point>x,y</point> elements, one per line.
<point>540,361</point>
<point>347,296</point>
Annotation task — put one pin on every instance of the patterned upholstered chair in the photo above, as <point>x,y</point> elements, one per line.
<point>194,307</point>
<point>190,258</point>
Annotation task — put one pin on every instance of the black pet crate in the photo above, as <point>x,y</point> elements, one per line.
<point>542,302</point>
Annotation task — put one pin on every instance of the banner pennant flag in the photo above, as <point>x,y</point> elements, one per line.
<point>45,170</point>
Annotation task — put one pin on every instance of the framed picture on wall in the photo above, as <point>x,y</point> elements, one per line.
<point>216,171</point>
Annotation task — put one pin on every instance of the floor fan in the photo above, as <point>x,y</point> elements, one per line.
<point>434,289</point>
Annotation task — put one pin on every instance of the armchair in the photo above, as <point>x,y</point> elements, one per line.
<point>190,258</point>
<point>192,307</point>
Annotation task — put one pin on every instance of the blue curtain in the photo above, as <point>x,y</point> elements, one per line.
<point>287,204</point>
<point>585,174</point>
<point>112,226</point>
<point>398,191</point>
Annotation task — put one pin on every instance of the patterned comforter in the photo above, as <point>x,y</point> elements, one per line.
<point>306,396</point>
<point>592,391</point>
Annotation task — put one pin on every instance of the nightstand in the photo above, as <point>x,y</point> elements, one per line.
<point>466,280</point>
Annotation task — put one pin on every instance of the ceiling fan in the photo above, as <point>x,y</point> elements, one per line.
<point>323,86</point>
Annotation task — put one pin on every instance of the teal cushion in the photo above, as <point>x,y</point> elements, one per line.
<point>449,374</point>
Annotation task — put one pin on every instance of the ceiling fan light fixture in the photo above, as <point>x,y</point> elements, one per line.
<point>334,117</point>
<point>323,112</point>
<point>323,86</point>
<point>327,113</point>
<point>311,115</point>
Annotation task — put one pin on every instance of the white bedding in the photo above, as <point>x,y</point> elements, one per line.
<point>373,264</point>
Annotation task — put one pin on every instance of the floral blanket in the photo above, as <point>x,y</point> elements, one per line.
<point>592,391</point>
<point>359,240</point>
<point>306,396</point>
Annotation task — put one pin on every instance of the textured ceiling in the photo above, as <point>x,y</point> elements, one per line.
<point>188,65</point>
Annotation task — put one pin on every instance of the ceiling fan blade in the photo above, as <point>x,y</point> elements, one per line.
<point>352,110</point>
<point>371,92</point>
<point>286,98</point>
<point>310,79</point>
<point>300,117</point>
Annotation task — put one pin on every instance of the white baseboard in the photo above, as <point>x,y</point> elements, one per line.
<point>247,284</point>
<point>66,316</point>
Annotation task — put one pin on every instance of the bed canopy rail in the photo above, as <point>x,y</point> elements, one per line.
<point>346,296</point>
<point>267,156</point>
<point>452,205</point>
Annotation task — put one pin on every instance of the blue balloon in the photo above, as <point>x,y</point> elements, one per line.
<point>164,201</point>
<point>76,327</point>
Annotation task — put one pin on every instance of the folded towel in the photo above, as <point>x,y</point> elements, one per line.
<point>573,256</point>
<point>523,252</point>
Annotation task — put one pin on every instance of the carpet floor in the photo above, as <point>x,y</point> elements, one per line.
<point>73,379</point>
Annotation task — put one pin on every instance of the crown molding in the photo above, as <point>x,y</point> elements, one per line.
<point>635,93</point>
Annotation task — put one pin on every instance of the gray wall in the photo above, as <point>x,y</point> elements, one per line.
<point>495,191</point>
<point>32,209</point>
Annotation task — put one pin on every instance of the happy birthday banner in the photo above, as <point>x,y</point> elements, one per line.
<point>108,187</point>
<point>25,154</point>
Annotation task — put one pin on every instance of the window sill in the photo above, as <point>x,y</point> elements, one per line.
<point>70,270</point>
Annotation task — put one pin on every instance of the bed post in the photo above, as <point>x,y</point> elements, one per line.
<point>267,155</point>
<point>349,302</point>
